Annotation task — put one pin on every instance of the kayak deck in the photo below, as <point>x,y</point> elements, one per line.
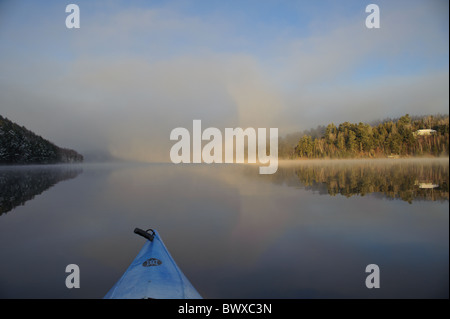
<point>153,274</point>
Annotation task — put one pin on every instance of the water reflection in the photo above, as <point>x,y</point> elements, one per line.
<point>408,180</point>
<point>236,233</point>
<point>21,184</point>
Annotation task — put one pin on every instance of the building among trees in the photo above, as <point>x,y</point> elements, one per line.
<point>407,136</point>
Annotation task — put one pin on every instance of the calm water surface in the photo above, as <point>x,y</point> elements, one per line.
<point>308,231</point>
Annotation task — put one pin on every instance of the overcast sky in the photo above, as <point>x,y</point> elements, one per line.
<point>137,69</point>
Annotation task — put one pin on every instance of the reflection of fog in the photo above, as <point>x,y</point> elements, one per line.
<point>404,179</point>
<point>20,184</point>
<point>233,232</point>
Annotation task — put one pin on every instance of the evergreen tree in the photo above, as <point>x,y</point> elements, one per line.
<point>399,137</point>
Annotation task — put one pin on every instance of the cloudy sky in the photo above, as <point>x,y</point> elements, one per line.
<point>137,69</point>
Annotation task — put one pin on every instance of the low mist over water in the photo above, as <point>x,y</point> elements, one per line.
<point>307,231</point>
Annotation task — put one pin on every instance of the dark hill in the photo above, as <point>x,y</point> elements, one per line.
<point>19,145</point>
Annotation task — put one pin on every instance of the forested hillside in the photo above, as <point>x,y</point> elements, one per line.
<point>407,136</point>
<point>21,146</point>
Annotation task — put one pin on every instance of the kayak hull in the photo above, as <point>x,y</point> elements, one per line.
<point>153,274</point>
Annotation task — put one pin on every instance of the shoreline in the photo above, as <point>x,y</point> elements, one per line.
<point>361,160</point>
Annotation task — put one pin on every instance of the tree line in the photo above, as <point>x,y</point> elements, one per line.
<point>398,138</point>
<point>19,145</point>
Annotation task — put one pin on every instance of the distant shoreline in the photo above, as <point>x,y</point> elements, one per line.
<point>280,161</point>
<point>378,159</point>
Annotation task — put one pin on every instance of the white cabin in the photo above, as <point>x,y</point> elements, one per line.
<point>425,132</point>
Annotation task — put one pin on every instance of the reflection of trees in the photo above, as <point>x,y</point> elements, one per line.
<point>425,180</point>
<point>20,184</point>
